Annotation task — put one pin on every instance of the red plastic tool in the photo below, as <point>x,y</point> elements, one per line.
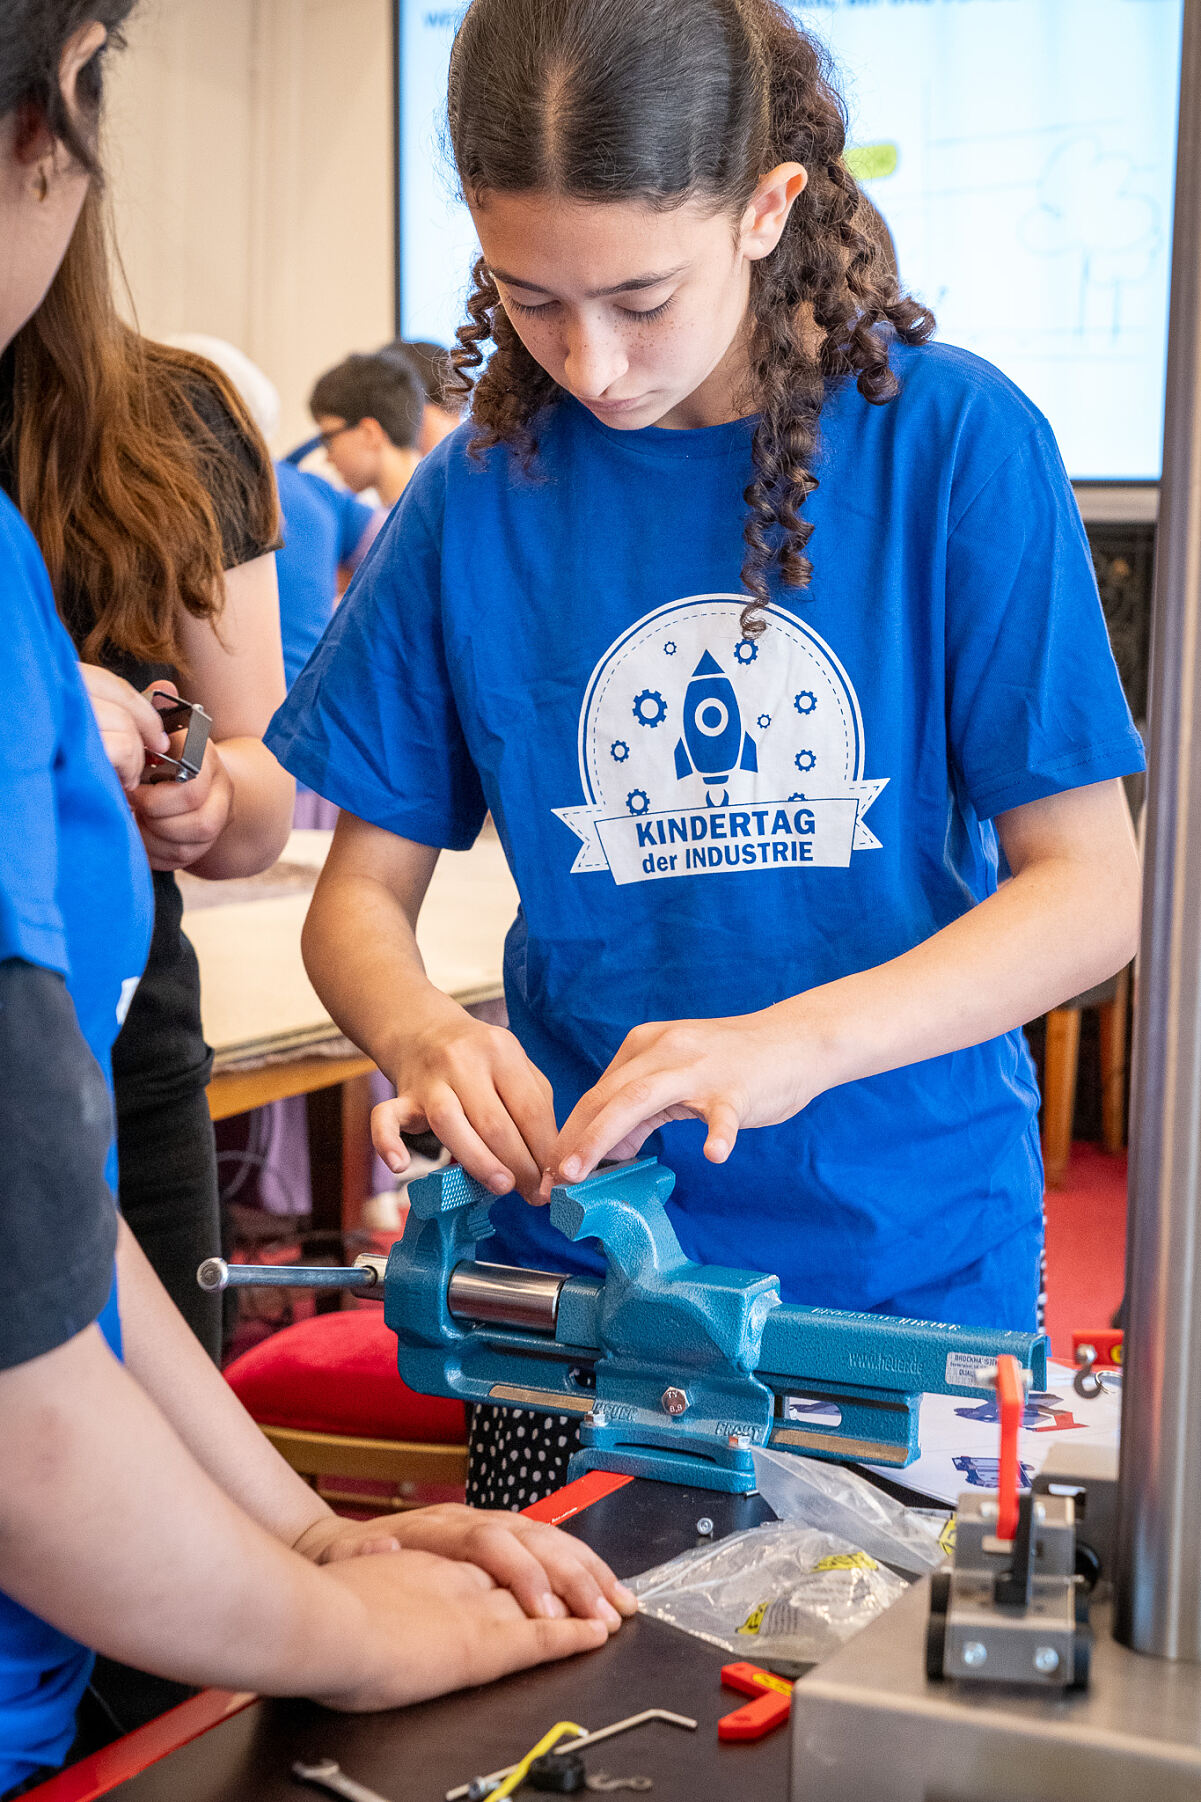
<point>769,1710</point>
<point>1106,1342</point>
<point>1011,1402</point>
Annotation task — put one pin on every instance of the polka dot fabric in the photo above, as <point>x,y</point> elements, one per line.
<point>516,1457</point>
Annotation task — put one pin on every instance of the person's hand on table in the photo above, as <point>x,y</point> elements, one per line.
<point>472,1085</point>
<point>129,725</point>
<point>747,1070</point>
<point>181,821</point>
<point>550,1574</point>
<point>432,1625</point>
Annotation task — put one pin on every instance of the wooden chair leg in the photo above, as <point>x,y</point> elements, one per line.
<point>1113,1065</point>
<point>1060,1063</point>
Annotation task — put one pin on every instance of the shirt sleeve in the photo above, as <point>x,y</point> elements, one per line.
<point>371,721</point>
<point>58,1218</point>
<point>354,526</point>
<point>1033,698</point>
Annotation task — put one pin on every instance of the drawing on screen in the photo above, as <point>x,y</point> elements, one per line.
<point>1092,209</point>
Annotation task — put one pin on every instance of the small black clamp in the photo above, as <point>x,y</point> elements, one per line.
<point>558,1773</point>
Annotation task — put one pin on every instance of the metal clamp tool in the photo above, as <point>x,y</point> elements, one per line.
<point>675,1370</point>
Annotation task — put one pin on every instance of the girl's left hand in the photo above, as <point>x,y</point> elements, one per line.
<point>749,1070</point>
<point>550,1574</point>
<point>181,821</point>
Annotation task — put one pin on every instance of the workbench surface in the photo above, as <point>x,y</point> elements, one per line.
<point>417,1754</point>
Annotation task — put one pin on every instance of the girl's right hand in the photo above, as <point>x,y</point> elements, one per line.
<point>129,725</point>
<point>473,1086</point>
<point>436,1625</point>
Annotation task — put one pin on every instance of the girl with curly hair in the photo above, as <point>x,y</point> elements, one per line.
<point>766,629</point>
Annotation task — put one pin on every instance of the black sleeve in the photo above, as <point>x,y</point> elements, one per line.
<point>229,453</point>
<point>58,1218</point>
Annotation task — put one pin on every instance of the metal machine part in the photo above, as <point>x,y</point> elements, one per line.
<point>216,1274</point>
<point>1089,1474</point>
<point>1158,1574</point>
<point>577,1745</point>
<point>505,1296</point>
<point>327,1775</point>
<point>178,715</point>
<point>869,1722</point>
<point>677,1370</point>
<point>1011,1611</point>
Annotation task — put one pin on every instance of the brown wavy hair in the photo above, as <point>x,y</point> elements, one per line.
<point>666,101</point>
<point>117,466</point>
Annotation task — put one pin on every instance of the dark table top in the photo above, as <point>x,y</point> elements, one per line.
<point>417,1754</point>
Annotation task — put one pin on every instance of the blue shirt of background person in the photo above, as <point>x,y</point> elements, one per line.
<point>75,897</point>
<point>701,824</point>
<point>325,534</point>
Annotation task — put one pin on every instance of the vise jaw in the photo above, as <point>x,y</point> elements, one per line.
<point>675,1370</point>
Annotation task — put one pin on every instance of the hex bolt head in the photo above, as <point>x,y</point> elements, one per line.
<point>704,1527</point>
<point>673,1401</point>
<point>974,1653</point>
<point>1046,1660</point>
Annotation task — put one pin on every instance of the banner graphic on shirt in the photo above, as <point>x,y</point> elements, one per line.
<point>703,751</point>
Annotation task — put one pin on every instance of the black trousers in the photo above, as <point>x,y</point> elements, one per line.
<point>168,1181</point>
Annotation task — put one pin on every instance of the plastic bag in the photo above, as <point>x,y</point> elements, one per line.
<point>839,1501</point>
<point>778,1593</point>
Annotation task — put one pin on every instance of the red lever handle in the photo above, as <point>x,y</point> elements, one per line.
<point>770,1709</point>
<point>1011,1402</point>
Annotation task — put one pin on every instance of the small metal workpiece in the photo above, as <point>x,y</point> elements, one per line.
<point>481,1786</point>
<point>704,1527</point>
<point>325,1774</point>
<point>674,1401</point>
<point>600,1783</point>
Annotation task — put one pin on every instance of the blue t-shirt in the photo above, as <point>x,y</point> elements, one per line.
<point>701,824</point>
<point>75,897</point>
<point>323,531</point>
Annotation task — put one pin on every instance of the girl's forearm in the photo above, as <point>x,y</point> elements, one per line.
<point>189,1391</point>
<point>1051,932</point>
<point>109,1530</point>
<point>360,950</point>
<point>261,816</point>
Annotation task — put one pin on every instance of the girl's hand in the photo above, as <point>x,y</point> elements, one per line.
<point>549,1573</point>
<point>474,1087</point>
<point>181,821</point>
<point>749,1070</point>
<point>430,1625</point>
<point>129,725</point>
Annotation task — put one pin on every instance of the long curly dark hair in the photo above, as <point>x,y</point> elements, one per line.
<point>665,101</point>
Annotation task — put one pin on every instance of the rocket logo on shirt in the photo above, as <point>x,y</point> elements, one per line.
<point>703,751</point>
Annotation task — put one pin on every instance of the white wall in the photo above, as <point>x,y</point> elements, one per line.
<point>250,159</point>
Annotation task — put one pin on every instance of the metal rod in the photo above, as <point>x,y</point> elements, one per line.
<point>1158,1570</point>
<point>215,1273</point>
<point>505,1295</point>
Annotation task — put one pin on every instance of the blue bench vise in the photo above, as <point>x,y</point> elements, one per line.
<point>675,1370</point>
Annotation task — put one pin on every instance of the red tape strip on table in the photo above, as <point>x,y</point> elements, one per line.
<point>575,1497</point>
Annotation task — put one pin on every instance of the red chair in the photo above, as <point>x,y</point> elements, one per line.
<point>326,1393</point>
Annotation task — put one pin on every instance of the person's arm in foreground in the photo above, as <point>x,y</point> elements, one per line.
<point>548,1572</point>
<point>470,1083</point>
<point>233,819</point>
<point>110,1530</point>
<point>1066,920</point>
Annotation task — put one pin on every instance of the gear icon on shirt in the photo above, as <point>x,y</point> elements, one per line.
<point>798,797</point>
<point>619,750</point>
<point>804,760</point>
<point>650,709</point>
<point>746,650</point>
<point>805,702</point>
<point>764,721</point>
<point>638,801</point>
<point>669,649</point>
